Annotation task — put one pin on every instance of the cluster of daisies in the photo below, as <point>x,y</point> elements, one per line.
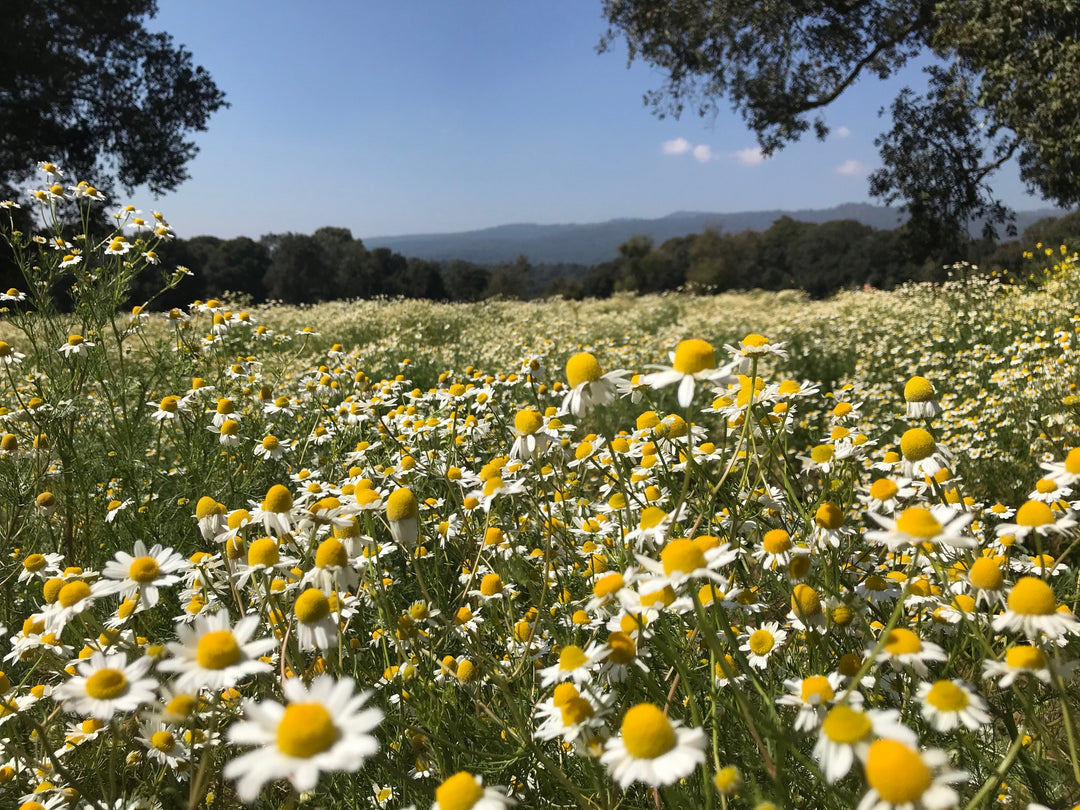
<point>701,583</point>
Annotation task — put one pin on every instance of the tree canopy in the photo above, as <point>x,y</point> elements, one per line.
<point>1005,84</point>
<point>84,84</point>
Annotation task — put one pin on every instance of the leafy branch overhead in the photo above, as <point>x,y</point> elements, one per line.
<point>87,85</point>
<point>1003,84</point>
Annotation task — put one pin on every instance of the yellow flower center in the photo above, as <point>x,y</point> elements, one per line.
<point>917,444</point>
<point>755,341</point>
<point>902,641</point>
<point>682,556</point>
<point>491,584</point>
<point>651,517</point>
<point>1034,513</point>
<point>571,657</point>
<point>918,522</point>
<point>1045,486</point>
<point>829,516</point>
<point>73,593</point>
<point>264,551</point>
<point>842,615</point>
<point>985,574</point>
<point>947,696</point>
<point>761,642</point>
<point>816,690</point>
<point>278,499</point>
<point>582,368</point>
<point>846,725</point>
<point>163,741</point>
<point>805,601</point>
<point>208,507</point>
<point>217,650</point>
<point>466,670</point>
<point>34,562</point>
<point>918,389</point>
<point>170,404</point>
<point>306,729</point>
<point>460,792</point>
<point>776,541</point>
<point>646,732</point>
<point>663,596</point>
<point>1024,656</point>
<point>897,772</point>
<point>75,340</point>
<point>528,421</point>
<point>608,584</point>
<point>822,454</point>
<point>106,684</point>
<point>401,505</point>
<point>271,443</point>
<point>1030,596</point>
<point>1072,461</point>
<point>692,356</point>
<point>143,570</point>
<point>312,606</point>
<point>331,554</point>
<point>575,710</point>
<point>621,648</point>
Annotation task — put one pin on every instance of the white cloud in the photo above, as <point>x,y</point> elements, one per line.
<point>677,146</point>
<point>703,153</point>
<point>851,168</point>
<point>750,156</point>
<point>841,132</point>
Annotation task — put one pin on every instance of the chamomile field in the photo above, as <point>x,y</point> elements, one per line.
<point>742,551</point>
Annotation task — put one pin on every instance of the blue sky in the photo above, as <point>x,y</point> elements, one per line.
<point>416,116</point>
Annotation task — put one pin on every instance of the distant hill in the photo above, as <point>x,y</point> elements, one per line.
<point>598,242</point>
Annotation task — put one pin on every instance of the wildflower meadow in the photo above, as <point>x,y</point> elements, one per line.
<point>741,551</point>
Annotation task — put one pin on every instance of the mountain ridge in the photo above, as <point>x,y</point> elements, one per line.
<point>595,242</point>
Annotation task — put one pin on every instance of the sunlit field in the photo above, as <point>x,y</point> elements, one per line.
<point>742,551</point>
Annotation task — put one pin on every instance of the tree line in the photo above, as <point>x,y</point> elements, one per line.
<point>820,259</point>
<point>330,264</point>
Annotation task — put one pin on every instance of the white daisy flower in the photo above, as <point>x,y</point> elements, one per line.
<point>164,746</point>
<point>571,716</point>
<point>1067,472</point>
<point>73,598</point>
<point>1034,516</point>
<point>682,560</point>
<point>465,791</point>
<point>590,388</point>
<point>321,728</point>
<point>1020,659</point>
<point>762,643</point>
<point>901,777</point>
<point>140,574</point>
<point>40,566</point>
<point>920,399</point>
<point>949,704</point>
<point>76,345</point>
<point>316,624</point>
<point>846,733</point>
<point>754,346</point>
<point>922,455</point>
<point>272,448</point>
<point>214,655</point>
<point>691,361</point>
<point>938,525</point>
<point>107,685</point>
<point>651,749</point>
<point>574,664</point>
<point>1032,609</point>
<point>904,648</point>
<point>812,697</point>
<point>8,356</point>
